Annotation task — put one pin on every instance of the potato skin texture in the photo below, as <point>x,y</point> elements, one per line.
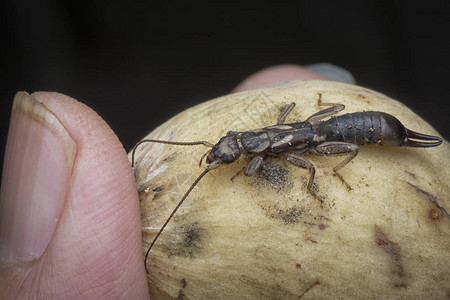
<point>266,237</point>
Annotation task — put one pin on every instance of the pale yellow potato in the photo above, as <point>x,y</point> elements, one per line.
<point>266,237</point>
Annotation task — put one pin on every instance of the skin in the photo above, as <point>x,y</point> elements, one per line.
<point>74,264</point>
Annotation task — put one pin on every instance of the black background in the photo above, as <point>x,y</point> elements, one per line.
<point>137,64</point>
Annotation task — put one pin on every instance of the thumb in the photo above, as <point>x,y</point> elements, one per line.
<point>68,201</point>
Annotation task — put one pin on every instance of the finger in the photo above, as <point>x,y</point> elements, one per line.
<point>289,72</point>
<point>95,249</point>
<point>38,162</point>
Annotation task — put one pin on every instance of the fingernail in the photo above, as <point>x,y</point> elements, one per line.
<point>37,167</point>
<point>333,72</point>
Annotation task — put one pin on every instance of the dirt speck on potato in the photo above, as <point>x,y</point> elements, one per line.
<point>433,199</point>
<point>274,173</point>
<point>393,250</point>
<point>309,288</point>
<point>187,241</point>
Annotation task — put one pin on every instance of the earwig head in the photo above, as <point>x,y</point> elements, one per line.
<point>225,151</point>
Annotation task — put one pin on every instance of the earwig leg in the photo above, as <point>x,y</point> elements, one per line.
<point>335,108</point>
<point>338,148</point>
<point>303,163</point>
<point>285,113</point>
<point>235,133</point>
<point>254,165</point>
<point>325,113</point>
<point>238,173</point>
<point>320,103</point>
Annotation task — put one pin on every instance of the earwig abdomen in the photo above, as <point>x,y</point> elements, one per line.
<point>363,128</point>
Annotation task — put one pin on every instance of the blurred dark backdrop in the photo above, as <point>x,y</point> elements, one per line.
<point>138,63</point>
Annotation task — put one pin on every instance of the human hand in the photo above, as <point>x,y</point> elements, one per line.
<point>70,221</point>
<point>69,211</point>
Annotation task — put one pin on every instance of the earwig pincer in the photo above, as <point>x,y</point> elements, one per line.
<point>339,135</point>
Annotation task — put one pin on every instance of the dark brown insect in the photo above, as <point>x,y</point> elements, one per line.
<point>339,135</point>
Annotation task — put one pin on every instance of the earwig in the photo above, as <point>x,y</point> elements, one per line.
<point>339,135</point>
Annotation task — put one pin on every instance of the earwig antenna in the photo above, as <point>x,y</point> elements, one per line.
<point>213,165</point>
<point>205,143</point>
